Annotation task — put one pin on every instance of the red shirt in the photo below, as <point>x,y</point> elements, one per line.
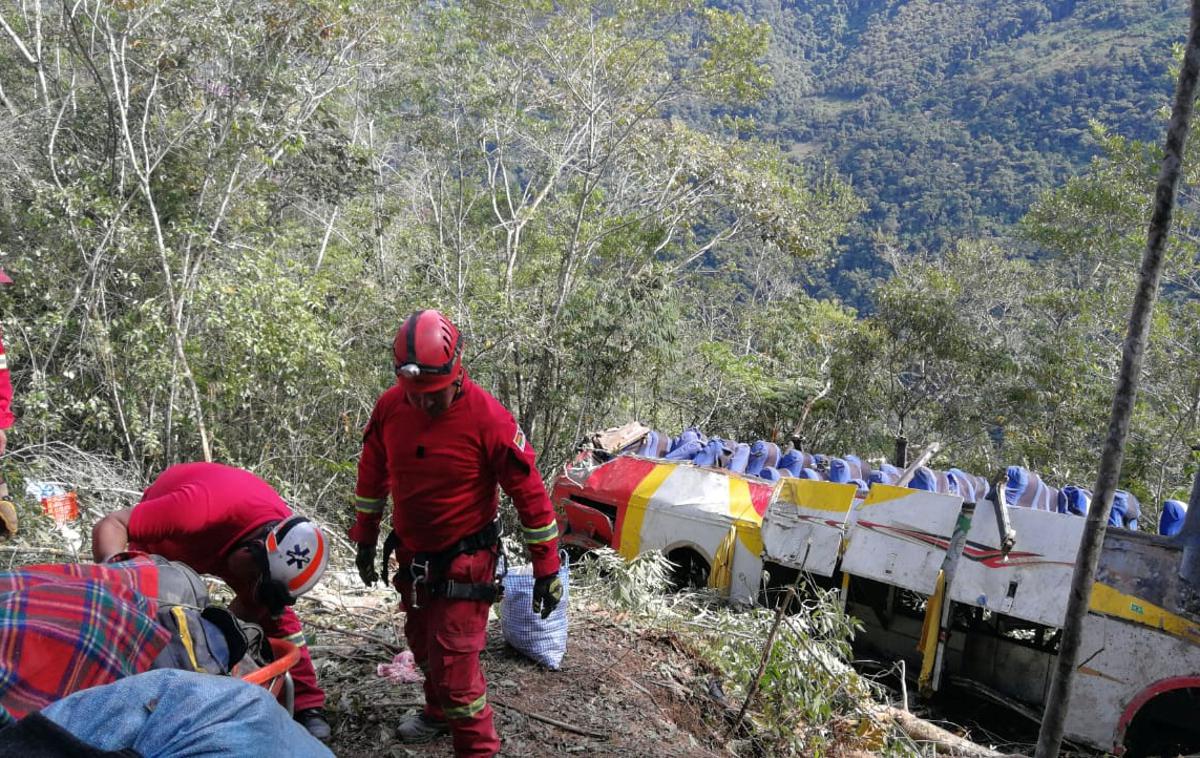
<point>442,474</point>
<point>196,513</point>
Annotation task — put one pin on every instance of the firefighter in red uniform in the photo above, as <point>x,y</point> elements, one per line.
<point>440,444</point>
<point>227,522</point>
<point>6,392</point>
<point>8,513</point>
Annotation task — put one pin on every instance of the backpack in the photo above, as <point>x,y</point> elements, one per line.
<point>205,638</point>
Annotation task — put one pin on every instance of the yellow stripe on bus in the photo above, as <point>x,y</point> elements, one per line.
<point>722,569</point>
<point>635,512</point>
<point>749,522</point>
<point>741,506</point>
<point>1112,602</point>
<point>883,493</point>
<point>817,495</point>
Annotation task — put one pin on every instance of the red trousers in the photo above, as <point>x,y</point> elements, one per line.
<point>308,693</point>
<point>446,637</point>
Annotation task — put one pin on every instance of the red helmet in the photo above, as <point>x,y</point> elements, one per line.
<point>428,352</point>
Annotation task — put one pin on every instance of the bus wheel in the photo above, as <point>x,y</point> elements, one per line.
<point>1166,726</point>
<point>689,569</point>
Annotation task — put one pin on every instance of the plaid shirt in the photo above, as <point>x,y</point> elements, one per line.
<point>67,627</point>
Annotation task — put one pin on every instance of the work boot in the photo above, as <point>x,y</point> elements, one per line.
<point>417,727</point>
<point>313,719</point>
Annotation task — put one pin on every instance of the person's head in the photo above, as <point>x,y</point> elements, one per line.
<point>428,350</point>
<point>280,565</point>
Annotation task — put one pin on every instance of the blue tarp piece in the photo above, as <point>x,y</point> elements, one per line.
<point>790,459</point>
<point>930,480</point>
<point>739,459</point>
<point>838,471</point>
<point>1171,520</point>
<point>1133,513</point>
<point>1026,489</point>
<point>810,473</point>
<point>1126,509</point>
<point>971,488</point>
<point>861,484</point>
<point>716,453</point>
<point>859,469</point>
<point>690,435</point>
<point>885,474</point>
<point>686,451</point>
<point>1116,516</point>
<point>762,454</point>
<point>653,445</point>
<point>795,461</point>
<point>770,473</point>
<point>1074,500</point>
<point>1015,484</point>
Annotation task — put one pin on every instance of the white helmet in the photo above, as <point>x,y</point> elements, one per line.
<point>296,555</point>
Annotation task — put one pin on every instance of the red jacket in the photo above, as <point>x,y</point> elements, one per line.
<point>442,474</point>
<point>195,513</point>
<point>6,393</point>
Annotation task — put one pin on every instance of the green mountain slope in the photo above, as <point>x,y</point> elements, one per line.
<point>950,117</point>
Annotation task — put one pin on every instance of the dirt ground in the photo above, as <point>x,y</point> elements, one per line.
<point>617,693</point>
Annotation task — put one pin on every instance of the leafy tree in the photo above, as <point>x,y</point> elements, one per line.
<point>553,206</point>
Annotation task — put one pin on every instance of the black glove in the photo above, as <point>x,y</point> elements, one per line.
<point>547,592</point>
<point>365,560</point>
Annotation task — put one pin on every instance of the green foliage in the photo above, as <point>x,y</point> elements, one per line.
<point>949,116</point>
<point>216,241</point>
<point>807,688</point>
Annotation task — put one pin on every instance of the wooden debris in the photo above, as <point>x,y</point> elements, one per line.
<point>546,719</point>
<point>943,741</point>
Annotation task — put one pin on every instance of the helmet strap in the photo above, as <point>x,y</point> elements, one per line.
<point>273,595</point>
<point>270,593</point>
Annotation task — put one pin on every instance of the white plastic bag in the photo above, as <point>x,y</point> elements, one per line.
<point>542,640</point>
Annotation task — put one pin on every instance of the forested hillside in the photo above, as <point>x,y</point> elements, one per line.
<point>949,116</point>
<point>217,214</point>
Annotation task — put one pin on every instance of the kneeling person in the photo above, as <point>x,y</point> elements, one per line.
<point>227,522</point>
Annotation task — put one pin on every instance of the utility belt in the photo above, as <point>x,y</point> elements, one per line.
<point>428,570</point>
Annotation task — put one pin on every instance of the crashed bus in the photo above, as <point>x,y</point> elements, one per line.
<point>968,594</point>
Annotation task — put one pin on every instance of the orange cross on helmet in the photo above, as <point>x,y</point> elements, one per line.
<point>428,351</point>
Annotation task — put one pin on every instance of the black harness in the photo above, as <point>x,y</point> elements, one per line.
<point>429,570</point>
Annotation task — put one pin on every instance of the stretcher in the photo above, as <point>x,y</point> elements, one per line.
<point>274,676</point>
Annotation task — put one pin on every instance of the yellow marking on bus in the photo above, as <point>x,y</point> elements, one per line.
<point>721,576</point>
<point>635,511</point>
<point>748,522</point>
<point>883,493</point>
<point>930,631</point>
<point>1112,602</point>
<point>741,505</point>
<point>817,495</point>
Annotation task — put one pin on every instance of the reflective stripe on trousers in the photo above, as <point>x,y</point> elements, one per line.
<point>446,636</point>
